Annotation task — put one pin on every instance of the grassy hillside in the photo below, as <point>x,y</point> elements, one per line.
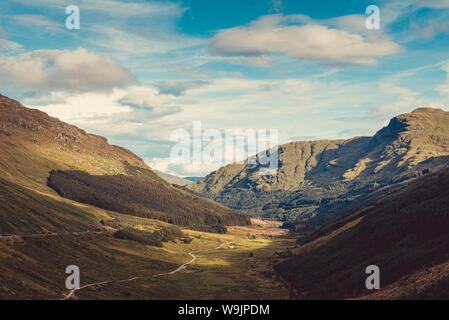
<point>32,145</point>
<point>33,261</point>
<point>41,233</point>
<point>401,233</point>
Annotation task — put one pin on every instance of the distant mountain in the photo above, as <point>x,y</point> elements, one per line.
<point>173,179</point>
<point>193,179</point>
<point>318,180</point>
<point>404,233</point>
<point>39,151</point>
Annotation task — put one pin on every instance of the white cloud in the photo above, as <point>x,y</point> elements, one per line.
<point>145,97</point>
<point>76,71</point>
<point>45,100</point>
<point>134,111</point>
<point>271,35</point>
<point>184,170</point>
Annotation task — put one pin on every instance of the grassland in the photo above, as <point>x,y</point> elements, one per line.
<point>33,267</point>
<point>53,234</point>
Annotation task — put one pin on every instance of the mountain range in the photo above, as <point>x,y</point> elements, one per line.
<point>320,180</point>
<point>67,196</point>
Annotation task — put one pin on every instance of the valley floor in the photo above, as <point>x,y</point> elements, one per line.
<point>236,265</point>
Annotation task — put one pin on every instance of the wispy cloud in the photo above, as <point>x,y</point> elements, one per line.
<point>178,88</point>
<point>113,7</point>
<point>444,88</point>
<point>276,6</point>
<point>10,47</point>
<point>39,21</point>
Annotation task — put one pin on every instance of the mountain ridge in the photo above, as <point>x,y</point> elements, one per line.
<point>316,176</point>
<point>34,145</point>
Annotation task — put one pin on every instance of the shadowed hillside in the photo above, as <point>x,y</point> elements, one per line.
<point>401,232</point>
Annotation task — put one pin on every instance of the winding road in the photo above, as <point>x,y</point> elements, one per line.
<point>180,268</point>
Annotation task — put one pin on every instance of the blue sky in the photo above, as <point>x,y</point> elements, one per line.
<point>138,70</point>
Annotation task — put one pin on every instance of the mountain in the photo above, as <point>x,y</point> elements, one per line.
<point>69,198</point>
<point>173,179</point>
<point>404,233</point>
<point>193,179</point>
<point>39,152</point>
<point>318,180</point>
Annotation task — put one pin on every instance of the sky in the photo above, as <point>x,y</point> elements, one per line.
<point>137,71</point>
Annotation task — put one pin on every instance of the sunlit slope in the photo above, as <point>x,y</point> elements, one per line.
<point>33,143</point>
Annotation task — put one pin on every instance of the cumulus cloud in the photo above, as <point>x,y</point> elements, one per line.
<point>132,113</point>
<point>76,71</point>
<point>168,166</point>
<point>178,88</point>
<point>275,34</point>
<point>149,103</point>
